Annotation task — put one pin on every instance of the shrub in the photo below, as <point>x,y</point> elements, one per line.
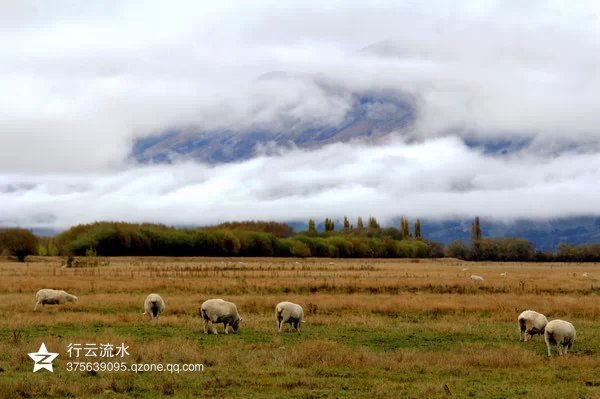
<point>457,249</point>
<point>18,242</point>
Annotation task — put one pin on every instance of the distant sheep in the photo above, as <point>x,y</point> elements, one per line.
<point>475,277</point>
<point>154,305</point>
<point>49,296</point>
<point>291,313</point>
<point>585,275</point>
<point>531,323</point>
<point>465,269</point>
<point>504,274</point>
<point>560,333</point>
<point>220,311</point>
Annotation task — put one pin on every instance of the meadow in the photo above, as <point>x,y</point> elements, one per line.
<point>376,328</point>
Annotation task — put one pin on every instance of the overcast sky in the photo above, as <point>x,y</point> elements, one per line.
<point>81,80</point>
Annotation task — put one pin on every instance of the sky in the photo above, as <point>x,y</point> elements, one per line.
<point>80,82</point>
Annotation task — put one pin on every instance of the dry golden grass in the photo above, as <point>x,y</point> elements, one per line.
<point>416,328</point>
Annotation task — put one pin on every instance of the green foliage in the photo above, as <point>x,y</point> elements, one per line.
<point>329,225</point>
<point>418,235</point>
<point>457,249</point>
<point>346,224</point>
<point>373,224</point>
<point>274,228</point>
<point>476,233</point>
<point>435,250</point>
<point>359,224</point>
<point>312,227</point>
<point>18,242</point>
<point>404,229</point>
<point>42,250</point>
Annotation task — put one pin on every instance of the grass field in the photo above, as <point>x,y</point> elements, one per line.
<point>374,328</point>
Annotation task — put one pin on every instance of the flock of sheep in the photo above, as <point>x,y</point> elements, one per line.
<point>556,332</point>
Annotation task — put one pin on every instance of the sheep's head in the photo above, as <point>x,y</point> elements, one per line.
<point>235,325</point>
<point>72,298</point>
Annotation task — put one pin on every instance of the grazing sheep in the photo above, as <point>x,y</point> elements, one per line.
<point>560,333</point>
<point>47,296</point>
<point>220,311</point>
<point>465,269</point>
<point>585,275</point>
<point>290,313</point>
<point>475,277</point>
<point>154,305</point>
<point>531,323</point>
<point>504,274</point>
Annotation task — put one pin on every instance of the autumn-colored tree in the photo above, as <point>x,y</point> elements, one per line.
<point>418,234</point>
<point>404,229</point>
<point>312,227</point>
<point>346,224</point>
<point>373,225</point>
<point>476,239</point>
<point>359,224</point>
<point>329,225</point>
<point>18,242</point>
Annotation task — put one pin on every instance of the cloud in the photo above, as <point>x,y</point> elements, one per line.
<point>81,83</point>
<point>439,178</point>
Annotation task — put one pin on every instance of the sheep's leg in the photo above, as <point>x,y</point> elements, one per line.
<point>36,305</point>
<point>205,324</point>
<point>279,323</point>
<point>548,345</point>
<point>297,325</point>
<point>213,328</point>
<point>225,327</point>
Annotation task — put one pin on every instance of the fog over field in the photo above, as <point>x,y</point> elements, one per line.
<point>82,82</point>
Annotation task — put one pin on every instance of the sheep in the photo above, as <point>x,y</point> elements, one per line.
<point>585,275</point>
<point>290,313</point>
<point>475,277</point>
<point>531,323</point>
<point>504,274</point>
<point>47,296</point>
<point>465,269</point>
<point>154,305</point>
<point>220,311</point>
<point>560,333</point>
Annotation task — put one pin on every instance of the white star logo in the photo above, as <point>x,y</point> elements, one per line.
<point>43,359</point>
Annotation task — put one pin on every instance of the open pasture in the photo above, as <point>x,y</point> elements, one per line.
<point>374,328</point>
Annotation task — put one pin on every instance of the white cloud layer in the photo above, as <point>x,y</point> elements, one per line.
<point>436,179</point>
<point>80,82</point>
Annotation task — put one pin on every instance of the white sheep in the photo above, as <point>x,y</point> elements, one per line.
<point>475,277</point>
<point>154,305</point>
<point>291,313</point>
<point>47,296</point>
<point>465,269</point>
<point>531,323</point>
<point>504,274</point>
<point>220,311</point>
<point>560,333</point>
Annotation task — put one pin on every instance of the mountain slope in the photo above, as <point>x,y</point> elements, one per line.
<point>371,115</point>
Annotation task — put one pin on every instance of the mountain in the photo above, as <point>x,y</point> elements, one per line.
<point>545,235</point>
<point>371,116</point>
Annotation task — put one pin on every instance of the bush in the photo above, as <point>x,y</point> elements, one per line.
<point>457,249</point>
<point>435,250</point>
<point>18,242</point>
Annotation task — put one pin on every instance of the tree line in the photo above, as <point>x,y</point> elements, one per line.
<point>256,238</point>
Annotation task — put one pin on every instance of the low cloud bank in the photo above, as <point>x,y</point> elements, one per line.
<point>437,178</point>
